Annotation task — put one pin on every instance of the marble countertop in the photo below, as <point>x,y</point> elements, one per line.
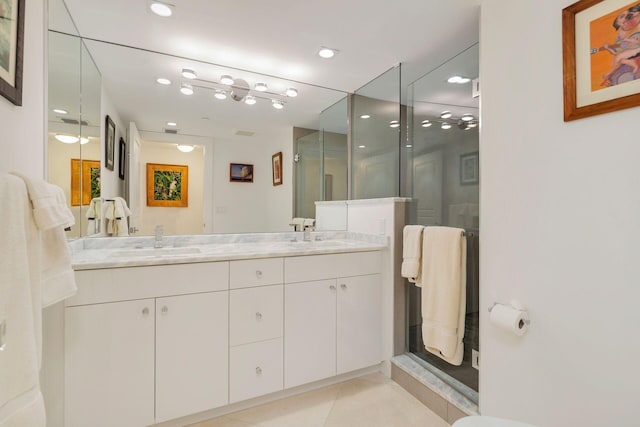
<point>95,253</point>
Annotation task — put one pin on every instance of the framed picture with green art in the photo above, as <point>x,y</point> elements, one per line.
<point>167,185</point>
<point>85,181</point>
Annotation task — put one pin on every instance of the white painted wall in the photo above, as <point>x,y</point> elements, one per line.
<point>111,184</point>
<point>24,128</point>
<point>560,223</point>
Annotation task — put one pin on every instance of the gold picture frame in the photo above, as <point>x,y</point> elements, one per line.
<point>276,168</point>
<point>596,50</point>
<point>167,185</point>
<point>87,172</point>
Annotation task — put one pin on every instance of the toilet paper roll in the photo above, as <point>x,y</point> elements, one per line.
<point>509,319</point>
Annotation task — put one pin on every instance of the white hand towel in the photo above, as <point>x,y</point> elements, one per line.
<point>412,252</point>
<point>50,207</point>
<point>443,282</point>
<point>121,212</point>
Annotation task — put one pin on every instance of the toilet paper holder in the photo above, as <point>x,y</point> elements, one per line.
<point>515,305</point>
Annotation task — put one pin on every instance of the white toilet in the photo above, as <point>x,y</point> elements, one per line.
<point>482,421</point>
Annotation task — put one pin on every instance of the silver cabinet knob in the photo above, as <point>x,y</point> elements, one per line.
<point>343,286</point>
<point>165,310</point>
<point>332,287</point>
<point>259,274</point>
<point>145,311</point>
<point>258,316</point>
<point>258,370</point>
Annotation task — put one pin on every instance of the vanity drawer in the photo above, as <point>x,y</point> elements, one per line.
<point>255,272</point>
<point>119,284</point>
<point>255,314</point>
<point>255,369</point>
<point>320,267</point>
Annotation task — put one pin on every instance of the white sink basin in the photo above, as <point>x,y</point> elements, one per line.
<point>154,252</point>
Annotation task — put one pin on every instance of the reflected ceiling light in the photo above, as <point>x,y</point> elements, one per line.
<point>467,117</point>
<point>278,105</point>
<point>161,9</point>
<point>188,73</point>
<point>426,123</point>
<point>67,139</point>
<point>220,94</point>
<point>446,125</point>
<point>472,123</point>
<point>83,140</point>
<point>226,79</point>
<point>458,79</point>
<point>365,116</point>
<point>60,111</point>
<point>326,52</point>
<point>172,124</point>
<point>362,146</point>
<point>163,81</point>
<point>394,124</point>
<point>446,115</point>
<point>250,100</point>
<point>260,87</point>
<point>185,148</point>
<point>186,89</point>
<point>409,146</point>
<point>291,92</point>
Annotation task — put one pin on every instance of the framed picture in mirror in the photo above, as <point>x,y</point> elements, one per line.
<point>11,49</point>
<point>85,181</point>
<point>240,172</point>
<point>122,158</point>
<point>167,185</point>
<point>109,143</point>
<point>276,167</point>
<point>469,169</point>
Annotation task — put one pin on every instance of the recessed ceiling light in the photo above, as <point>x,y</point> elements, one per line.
<point>326,52</point>
<point>394,124</point>
<point>67,139</point>
<point>163,81</point>
<point>226,80</point>
<point>467,117</point>
<point>458,79</point>
<point>60,111</point>
<point>186,89</point>
<point>365,116</point>
<point>278,105</point>
<point>172,124</point>
<point>260,87</point>
<point>185,148</point>
<point>362,146</point>
<point>250,100</point>
<point>188,73</point>
<point>409,146</point>
<point>220,94</point>
<point>426,123</point>
<point>291,92</point>
<point>446,125</point>
<point>446,115</point>
<point>161,9</point>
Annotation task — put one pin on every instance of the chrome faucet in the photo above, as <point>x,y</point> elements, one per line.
<point>158,241</point>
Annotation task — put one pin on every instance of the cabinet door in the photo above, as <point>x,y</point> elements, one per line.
<point>359,322</point>
<point>191,354</point>
<point>109,364</point>
<point>310,332</point>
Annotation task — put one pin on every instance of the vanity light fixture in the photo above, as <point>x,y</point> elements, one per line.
<point>426,123</point>
<point>446,125</point>
<point>446,115</point>
<point>260,87</point>
<point>163,81</point>
<point>226,80</point>
<point>161,9</point>
<point>458,79</point>
<point>278,105</point>
<point>291,92</point>
<point>327,52</point>
<point>188,73</point>
<point>394,124</point>
<point>67,139</point>
<point>467,117</point>
<point>185,148</point>
<point>365,116</point>
<point>220,94</point>
<point>249,100</point>
<point>186,89</point>
<point>60,111</point>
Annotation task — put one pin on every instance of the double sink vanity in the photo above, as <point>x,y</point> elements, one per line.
<point>157,334</point>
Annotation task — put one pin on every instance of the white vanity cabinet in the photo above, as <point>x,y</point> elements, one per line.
<point>333,325</point>
<point>146,344</point>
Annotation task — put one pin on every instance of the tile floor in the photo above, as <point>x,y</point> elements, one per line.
<point>369,401</point>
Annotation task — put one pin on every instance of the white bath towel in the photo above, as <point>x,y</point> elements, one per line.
<point>412,252</point>
<point>443,282</point>
<point>21,402</point>
<point>50,207</point>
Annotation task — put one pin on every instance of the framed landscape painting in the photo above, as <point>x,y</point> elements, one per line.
<point>240,172</point>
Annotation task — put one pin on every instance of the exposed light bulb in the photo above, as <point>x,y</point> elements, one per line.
<point>394,124</point>
<point>163,81</point>
<point>220,94</point>
<point>260,87</point>
<point>186,89</point>
<point>278,105</point>
<point>291,92</point>
<point>185,148</point>
<point>226,80</point>
<point>426,123</point>
<point>467,117</point>
<point>161,9</point>
<point>188,73</point>
<point>446,126</point>
<point>446,115</point>
<point>250,100</point>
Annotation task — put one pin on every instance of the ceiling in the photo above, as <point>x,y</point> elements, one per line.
<point>279,40</point>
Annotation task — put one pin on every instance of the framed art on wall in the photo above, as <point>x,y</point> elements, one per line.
<point>167,185</point>
<point>11,49</point>
<point>109,142</point>
<point>85,175</point>
<point>276,168</point>
<point>469,169</point>
<point>601,57</point>
<point>240,172</point>
<point>122,158</point>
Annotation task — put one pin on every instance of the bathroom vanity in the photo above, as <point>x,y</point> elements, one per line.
<point>202,324</point>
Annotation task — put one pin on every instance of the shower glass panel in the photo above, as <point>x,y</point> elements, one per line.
<point>308,167</point>
<point>442,175</point>
<point>375,114</point>
<point>333,125</point>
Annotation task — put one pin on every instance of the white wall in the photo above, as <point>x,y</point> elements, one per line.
<point>560,222</point>
<point>110,184</point>
<point>23,128</point>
